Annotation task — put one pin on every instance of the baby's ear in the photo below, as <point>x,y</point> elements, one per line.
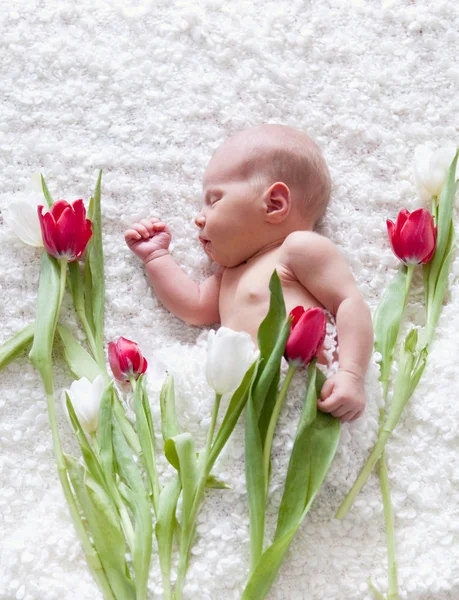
<point>278,202</point>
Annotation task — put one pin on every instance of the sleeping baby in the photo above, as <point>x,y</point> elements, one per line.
<point>264,190</point>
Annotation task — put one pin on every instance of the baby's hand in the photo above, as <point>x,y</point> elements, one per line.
<point>149,238</point>
<point>343,395</point>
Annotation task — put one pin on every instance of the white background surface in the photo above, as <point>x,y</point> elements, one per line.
<point>147,95</point>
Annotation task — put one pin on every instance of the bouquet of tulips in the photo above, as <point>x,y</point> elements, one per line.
<point>424,238</point>
<point>113,491</point>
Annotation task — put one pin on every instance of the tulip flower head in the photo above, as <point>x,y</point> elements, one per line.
<point>126,360</point>
<point>85,398</point>
<point>66,230</point>
<point>306,336</point>
<point>229,356</point>
<point>430,168</point>
<point>21,214</point>
<point>413,236</point>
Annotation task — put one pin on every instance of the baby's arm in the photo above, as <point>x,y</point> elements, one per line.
<point>320,267</point>
<point>195,304</point>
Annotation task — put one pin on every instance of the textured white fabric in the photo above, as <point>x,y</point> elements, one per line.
<point>146,91</point>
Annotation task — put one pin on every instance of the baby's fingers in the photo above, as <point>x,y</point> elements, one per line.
<point>132,234</point>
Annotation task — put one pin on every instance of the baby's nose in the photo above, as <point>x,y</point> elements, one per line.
<point>199,221</point>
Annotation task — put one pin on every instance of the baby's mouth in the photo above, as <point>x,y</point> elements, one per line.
<point>205,243</point>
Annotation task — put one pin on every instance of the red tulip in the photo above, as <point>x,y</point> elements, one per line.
<point>126,360</point>
<point>414,236</point>
<point>65,229</point>
<point>306,336</point>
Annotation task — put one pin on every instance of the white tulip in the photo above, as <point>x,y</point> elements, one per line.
<point>229,356</point>
<point>430,169</point>
<point>22,212</point>
<point>85,398</point>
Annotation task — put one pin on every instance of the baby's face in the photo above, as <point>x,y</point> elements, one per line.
<point>231,216</point>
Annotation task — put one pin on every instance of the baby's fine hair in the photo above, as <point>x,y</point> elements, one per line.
<point>282,153</point>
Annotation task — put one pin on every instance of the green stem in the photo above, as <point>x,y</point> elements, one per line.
<point>92,557</point>
<point>273,422</point>
<point>383,434</point>
<point>125,520</point>
<point>388,513</point>
<point>364,473</point>
<point>375,590</point>
<point>153,475</point>
<point>389,518</point>
<point>188,528</point>
<point>96,352</point>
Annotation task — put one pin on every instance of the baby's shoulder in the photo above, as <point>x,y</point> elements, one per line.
<point>306,241</point>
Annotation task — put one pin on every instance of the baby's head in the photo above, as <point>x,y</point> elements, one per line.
<point>260,185</point>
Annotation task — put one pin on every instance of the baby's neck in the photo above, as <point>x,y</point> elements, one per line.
<point>264,250</point>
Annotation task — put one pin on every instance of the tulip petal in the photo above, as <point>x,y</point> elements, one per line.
<point>35,189</point>
<point>393,238</point>
<point>417,236</point>
<point>296,313</point>
<point>306,339</point>
<point>48,230</point>
<point>229,356</point>
<point>23,219</point>
<point>114,361</point>
<point>440,162</point>
<point>422,155</point>
<point>66,232</point>
<point>58,208</point>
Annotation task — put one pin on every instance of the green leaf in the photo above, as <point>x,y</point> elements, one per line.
<point>266,387</point>
<point>75,280</point>
<point>105,432</point>
<point>46,193</point>
<point>218,484</point>
<point>88,454</point>
<point>387,320</point>
<point>255,481</point>
<point>88,294</point>
<point>169,425</point>
<point>48,307</point>
<point>442,280</point>
<point>271,326</point>
<point>95,262</point>
<point>315,446</point>
<point>105,529</point>
<point>13,347</point>
<point>445,210</point>
<point>165,526</point>
<point>265,573</point>
<point>180,452</point>
<point>79,361</point>
<point>146,437</point>
<point>233,412</point>
<point>125,424</point>
<point>143,531</point>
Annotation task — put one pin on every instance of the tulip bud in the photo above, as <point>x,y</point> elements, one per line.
<point>229,356</point>
<point>66,230</point>
<point>430,168</point>
<point>126,360</point>
<point>306,336</point>
<point>85,398</point>
<point>413,236</point>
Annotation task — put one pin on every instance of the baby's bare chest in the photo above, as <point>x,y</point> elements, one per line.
<point>244,291</point>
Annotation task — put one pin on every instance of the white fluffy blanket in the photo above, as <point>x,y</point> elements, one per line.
<point>146,91</point>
